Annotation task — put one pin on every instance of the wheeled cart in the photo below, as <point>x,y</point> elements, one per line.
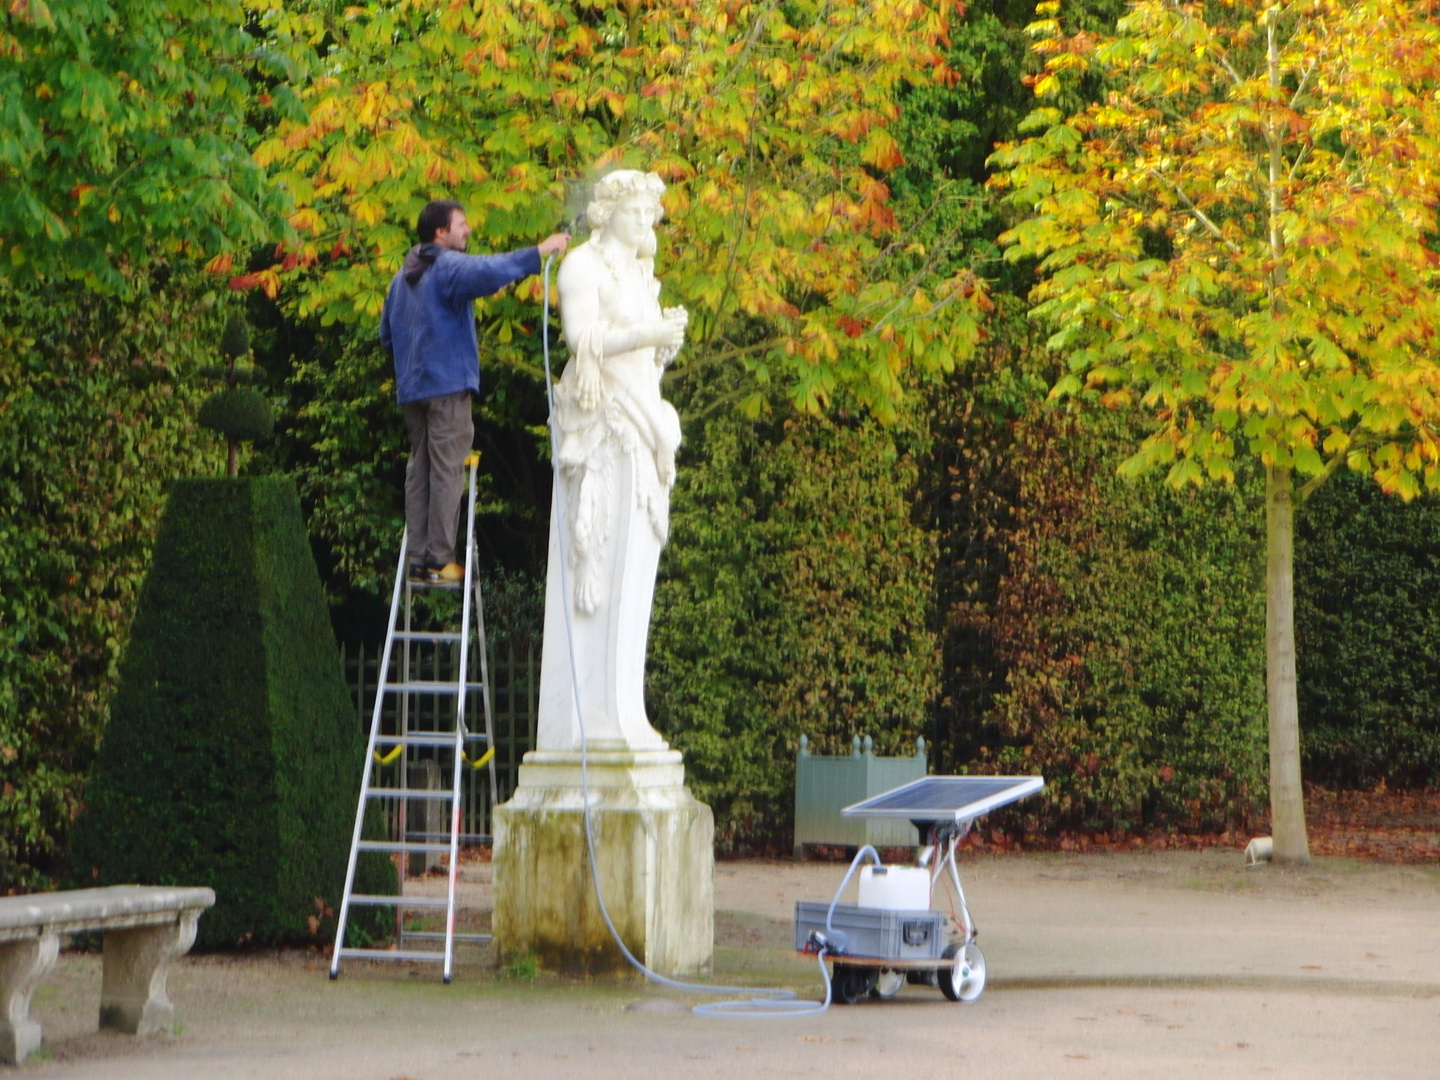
<point>894,935</point>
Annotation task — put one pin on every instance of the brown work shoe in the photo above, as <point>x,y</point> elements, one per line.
<point>450,573</point>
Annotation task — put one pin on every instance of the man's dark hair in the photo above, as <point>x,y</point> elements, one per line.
<point>434,217</point>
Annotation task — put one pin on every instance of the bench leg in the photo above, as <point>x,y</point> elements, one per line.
<point>132,995</point>
<point>22,965</point>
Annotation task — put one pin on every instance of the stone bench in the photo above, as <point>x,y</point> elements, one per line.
<point>144,928</point>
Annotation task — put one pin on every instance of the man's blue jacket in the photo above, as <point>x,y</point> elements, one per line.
<point>428,323</point>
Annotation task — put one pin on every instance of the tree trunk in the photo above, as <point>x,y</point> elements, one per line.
<point>232,464</point>
<point>1287,801</point>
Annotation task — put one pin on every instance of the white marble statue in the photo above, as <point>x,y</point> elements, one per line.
<point>616,446</point>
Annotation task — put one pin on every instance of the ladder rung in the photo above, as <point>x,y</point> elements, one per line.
<point>429,687</point>
<point>465,838</point>
<point>437,636</point>
<point>399,901</point>
<point>437,935</point>
<point>404,848</point>
<point>439,738</point>
<point>409,793</point>
<point>390,954</point>
<point>418,586</point>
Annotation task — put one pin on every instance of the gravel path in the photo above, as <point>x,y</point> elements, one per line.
<point>1161,964</point>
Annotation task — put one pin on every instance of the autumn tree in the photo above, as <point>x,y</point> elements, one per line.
<point>1239,238</point>
<point>771,124</point>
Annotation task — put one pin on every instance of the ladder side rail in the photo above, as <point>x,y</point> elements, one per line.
<point>382,674</point>
<point>474,462</point>
<point>485,701</point>
<point>399,818</point>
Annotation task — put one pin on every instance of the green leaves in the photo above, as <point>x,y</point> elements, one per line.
<point>97,404</point>
<point>123,135</point>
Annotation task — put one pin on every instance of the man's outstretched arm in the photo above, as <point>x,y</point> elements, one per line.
<point>475,276</point>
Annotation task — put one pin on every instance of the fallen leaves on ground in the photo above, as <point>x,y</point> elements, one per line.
<point>1383,825</point>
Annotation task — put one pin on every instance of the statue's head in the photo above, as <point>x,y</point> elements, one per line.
<point>625,187</point>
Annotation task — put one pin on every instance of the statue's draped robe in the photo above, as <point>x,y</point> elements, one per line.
<point>617,465</point>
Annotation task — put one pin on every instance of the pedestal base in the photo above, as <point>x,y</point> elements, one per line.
<point>654,845</point>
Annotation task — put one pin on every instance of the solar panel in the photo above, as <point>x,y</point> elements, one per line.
<point>947,798</point>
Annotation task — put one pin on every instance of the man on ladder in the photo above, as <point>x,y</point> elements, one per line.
<point>428,329</point>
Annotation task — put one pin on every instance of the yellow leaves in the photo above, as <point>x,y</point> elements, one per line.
<point>307,218</point>
<point>267,280</point>
<point>370,302</point>
<point>1066,386</point>
<point>882,151</point>
<point>376,103</point>
<point>1337,441</point>
<point>615,101</point>
<point>367,211</point>
<point>269,152</point>
<point>1046,85</point>
<point>1117,399</point>
<point>220,264</point>
<point>673,169</point>
<point>1301,432</point>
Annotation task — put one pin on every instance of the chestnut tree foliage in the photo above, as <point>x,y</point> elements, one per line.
<point>1238,237</point>
<point>125,134</point>
<point>771,124</point>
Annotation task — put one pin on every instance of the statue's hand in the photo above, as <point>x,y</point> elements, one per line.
<point>588,386</point>
<point>669,333</point>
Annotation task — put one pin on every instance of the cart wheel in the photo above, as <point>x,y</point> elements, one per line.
<point>888,984</point>
<point>965,980</point>
<point>849,984</point>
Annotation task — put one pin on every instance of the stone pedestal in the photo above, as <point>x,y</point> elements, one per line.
<point>654,846</point>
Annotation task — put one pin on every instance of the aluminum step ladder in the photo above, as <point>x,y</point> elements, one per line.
<point>466,748</point>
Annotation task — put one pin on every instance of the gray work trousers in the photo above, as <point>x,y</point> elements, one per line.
<point>441,432</point>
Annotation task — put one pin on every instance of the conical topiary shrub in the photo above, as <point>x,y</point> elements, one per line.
<point>232,756</point>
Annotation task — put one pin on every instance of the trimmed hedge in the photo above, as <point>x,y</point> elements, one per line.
<point>1367,628</point>
<point>793,600</point>
<point>1107,634</point>
<point>96,409</point>
<point>232,756</point>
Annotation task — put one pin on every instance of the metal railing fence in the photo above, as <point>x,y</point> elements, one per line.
<point>515,685</point>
